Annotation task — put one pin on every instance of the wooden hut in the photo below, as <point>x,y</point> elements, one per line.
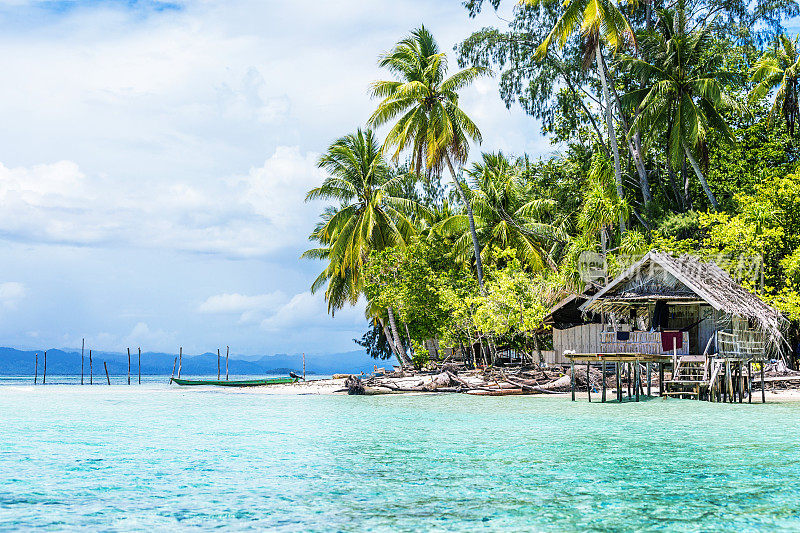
<point>682,307</point>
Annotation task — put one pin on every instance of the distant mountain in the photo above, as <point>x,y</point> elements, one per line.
<point>60,362</point>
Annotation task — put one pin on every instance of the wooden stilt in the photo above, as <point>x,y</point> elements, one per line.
<point>572,378</point>
<point>636,372</point>
<point>603,366</point>
<point>83,343</point>
<point>129,366</point>
<point>91,373</point>
<point>661,379</point>
<point>588,382</point>
<point>763,394</point>
<point>619,382</point>
<point>44,374</point>
<point>648,380</point>
<point>219,371</point>
<point>180,361</point>
<point>108,379</point>
<point>749,381</point>
<point>304,366</point>
<point>227,354</point>
<point>628,379</point>
<point>175,362</point>
<point>36,369</point>
<point>740,370</point>
<point>140,365</point>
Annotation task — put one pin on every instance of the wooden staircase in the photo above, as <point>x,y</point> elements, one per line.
<point>691,377</point>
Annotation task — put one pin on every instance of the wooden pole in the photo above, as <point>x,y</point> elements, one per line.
<point>588,382</point>
<point>36,369</point>
<point>763,394</point>
<point>175,362</point>
<point>604,380</point>
<point>628,379</point>
<point>108,379</point>
<point>304,366</point>
<point>749,381</point>
<point>740,371</point>
<point>140,365</point>
<point>619,382</point>
<point>83,343</point>
<point>90,366</point>
<point>636,374</point>
<point>648,380</point>
<point>572,377</point>
<point>129,366</point>
<point>661,379</point>
<point>44,374</point>
<point>219,371</point>
<point>180,361</point>
<point>227,354</point>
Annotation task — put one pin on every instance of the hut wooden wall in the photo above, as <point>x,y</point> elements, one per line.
<point>581,339</point>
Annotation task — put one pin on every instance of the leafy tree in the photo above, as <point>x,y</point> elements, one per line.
<point>369,217</point>
<point>778,68</point>
<point>431,126</point>
<point>683,93</point>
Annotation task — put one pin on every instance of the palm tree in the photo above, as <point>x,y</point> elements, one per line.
<point>683,92</point>
<point>505,213</point>
<point>598,20</point>
<point>431,125</point>
<point>368,217</point>
<point>779,68</point>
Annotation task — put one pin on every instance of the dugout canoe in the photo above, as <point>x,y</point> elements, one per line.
<point>234,383</point>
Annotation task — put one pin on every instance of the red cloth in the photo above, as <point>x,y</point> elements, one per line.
<point>666,340</point>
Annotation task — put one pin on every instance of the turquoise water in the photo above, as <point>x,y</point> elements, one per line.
<point>152,457</point>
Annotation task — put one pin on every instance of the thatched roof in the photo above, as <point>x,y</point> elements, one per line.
<point>660,276</point>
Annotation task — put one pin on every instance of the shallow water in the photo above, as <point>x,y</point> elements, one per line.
<point>125,458</point>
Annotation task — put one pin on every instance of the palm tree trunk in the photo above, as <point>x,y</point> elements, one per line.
<point>473,232</point>
<point>392,343</point>
<point>612,135</point>
<point>699,173</point>
<point>402,356</point>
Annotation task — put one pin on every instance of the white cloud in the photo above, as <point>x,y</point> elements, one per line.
<point>242,216</point>
<point>11,292</point>
<point>142,336</point>
<point>251,308</point>
<point>309,311</point>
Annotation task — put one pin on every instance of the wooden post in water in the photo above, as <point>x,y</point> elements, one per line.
<point>175,362</point>
<point>219,371</point>
<point>227,354</point>
<point>588,382</point>
<point>36,369</point>
<point>44,374</point>
<point>90,366</point>
<point>83,343</point>
<point>129,366</point>
<point>304,366</point>
<point>572,377</point>
<point>619,382</point>
<point>140,365</point>
<point>741,382</point>
<point>750,381</point>
<point>604,380</point>
<point>648,379</point>
<point>629,379</point>
<point>108,379</point>
<point>637,375</point>
<point>763,394</point>
<point>180,361</point>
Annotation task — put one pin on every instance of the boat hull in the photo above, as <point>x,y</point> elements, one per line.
<point>234,383</point>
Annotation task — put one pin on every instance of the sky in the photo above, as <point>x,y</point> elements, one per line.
<point>154,158</point>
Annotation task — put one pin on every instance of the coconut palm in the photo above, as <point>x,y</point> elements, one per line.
<point>599,21</point>
<point>682,93</point>
<point>431,125</point>
<point>779,69</point>
<point>368,217</point>
<point>505,213</point>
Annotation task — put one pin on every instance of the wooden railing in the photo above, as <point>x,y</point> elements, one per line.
<point>645,342</point>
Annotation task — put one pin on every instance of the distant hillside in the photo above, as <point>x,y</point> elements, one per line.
<point>59,362</point>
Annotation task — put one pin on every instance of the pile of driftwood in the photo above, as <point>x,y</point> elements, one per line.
<point>484,382</point>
